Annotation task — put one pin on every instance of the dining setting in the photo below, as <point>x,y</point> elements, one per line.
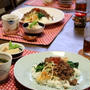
<point>45,45</point>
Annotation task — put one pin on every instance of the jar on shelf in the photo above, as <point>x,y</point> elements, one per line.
<point>79,20</point>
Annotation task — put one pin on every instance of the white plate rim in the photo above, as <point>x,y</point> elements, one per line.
<point>49,52</point>
<point>26,9</point>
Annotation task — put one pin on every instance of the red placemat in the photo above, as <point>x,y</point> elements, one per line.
<point>11,83</point>
<point>55,4</point>
<point>45,38</point>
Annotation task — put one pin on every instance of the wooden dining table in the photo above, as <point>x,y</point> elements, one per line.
<point>69,39</point>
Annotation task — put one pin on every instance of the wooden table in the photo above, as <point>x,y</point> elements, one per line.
<point>69,39</point>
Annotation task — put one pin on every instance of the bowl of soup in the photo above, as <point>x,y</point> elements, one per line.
<point>15,49</point>
<point>5,63</point>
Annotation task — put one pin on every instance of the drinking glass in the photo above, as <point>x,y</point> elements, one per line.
<point>86,45</point>
<point>81,5</point>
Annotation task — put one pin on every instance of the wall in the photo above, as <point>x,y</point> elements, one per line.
<point>4,3</point>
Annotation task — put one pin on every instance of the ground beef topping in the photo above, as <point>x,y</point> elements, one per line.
<point>62,69</point>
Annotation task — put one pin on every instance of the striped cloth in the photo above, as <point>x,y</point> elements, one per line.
<point>45,38</point>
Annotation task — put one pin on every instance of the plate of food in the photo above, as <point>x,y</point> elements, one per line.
<point>53,71</point>
<point>44,15</point>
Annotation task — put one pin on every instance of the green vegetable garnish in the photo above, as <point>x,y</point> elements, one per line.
<point>13,46</point>
<point>73,65</point>
<point>33,23</point>
<point>40,15</point>
<point>40,67</point>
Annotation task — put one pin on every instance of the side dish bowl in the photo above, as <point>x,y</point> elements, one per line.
<point>33,28</point>
<point>15,52</point>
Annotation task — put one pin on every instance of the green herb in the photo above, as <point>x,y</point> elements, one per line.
<point>13,46</point>
<point>33,23</point>
<point>73,65</point>
<point>40,67</point>
<point>40,15</point>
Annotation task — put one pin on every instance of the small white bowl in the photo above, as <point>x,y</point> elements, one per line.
<point>10,23</point>
<point>5,67</point>
<point>33,30</point>
<point>15,56</point>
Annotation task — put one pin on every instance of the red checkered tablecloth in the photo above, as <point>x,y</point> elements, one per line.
<point>49,34</point>
<point>55,4</point>
<point>11,83</point>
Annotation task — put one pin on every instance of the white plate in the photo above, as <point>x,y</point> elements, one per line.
<point>23,66</point>
<point>57,14</point>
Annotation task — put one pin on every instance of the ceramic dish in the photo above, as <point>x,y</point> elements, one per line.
<point>16,55</point>
<point>24,74</point>
<point>57,14</point>
<point>36,29</point>
<point>5,63</point>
